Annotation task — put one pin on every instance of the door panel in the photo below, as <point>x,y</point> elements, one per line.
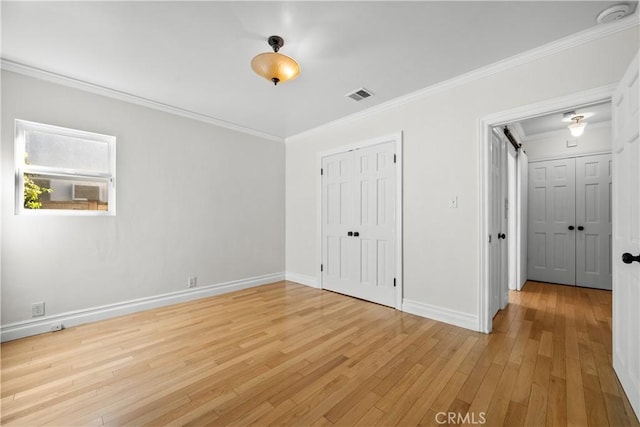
<point>496,215</point>
<point>375,222</point>
<point>523,209</point>
<point>338,216</point>
<point>626,234</point>
<point>504,227</point>
<point>593,212</point>
<point>552,211</point>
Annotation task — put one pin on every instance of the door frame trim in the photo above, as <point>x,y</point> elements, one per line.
<point>485,124</point>
<point>396,138</point>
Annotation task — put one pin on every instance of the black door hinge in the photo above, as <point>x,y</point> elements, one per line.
<point>394,282</point>
<point>394,158</point>
<point>321,171</point>
<point>321,267</point>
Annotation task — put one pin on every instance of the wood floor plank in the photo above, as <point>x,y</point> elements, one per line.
<point>557,402</point>
<point>499,405</point>
<point>363,392</point>
<point>286,354</point>
<point>576,407</point>
<point>486,390</point>
<point>537,406</point>
<point>525,374</point>
<point>594,401</point>
<point>359,410</point>
<point>371,418</point>
<point>516,414</point>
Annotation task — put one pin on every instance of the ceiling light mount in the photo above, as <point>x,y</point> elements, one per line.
<point>568,116</point>
<point>276,42</point>
<point>275,66</point>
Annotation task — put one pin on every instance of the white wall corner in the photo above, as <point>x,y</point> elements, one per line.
<point>441,314</point>
<point>74,318</point>
<point>302,279</point>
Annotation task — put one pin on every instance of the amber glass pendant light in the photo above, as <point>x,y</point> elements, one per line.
<point>275,66</point>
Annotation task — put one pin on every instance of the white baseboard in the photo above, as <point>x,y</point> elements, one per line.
<point>302,279</point>
<point>74,318</point>
<point>452,317</point>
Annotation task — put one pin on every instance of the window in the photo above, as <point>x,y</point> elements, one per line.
<point>64,171</point>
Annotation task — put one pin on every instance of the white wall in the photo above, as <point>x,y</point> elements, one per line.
<point>596,139</point>
<point>192,199</point>
<point>440,161</point>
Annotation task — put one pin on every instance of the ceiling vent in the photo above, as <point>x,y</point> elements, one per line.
<point>360,94</point>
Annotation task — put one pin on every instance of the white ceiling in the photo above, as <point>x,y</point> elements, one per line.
<point>196,55</point>
<point>533,127</point>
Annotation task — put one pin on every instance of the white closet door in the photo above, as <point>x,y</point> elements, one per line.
<point>359,223</point>
<point>552,213</point>
<point>593,221</point>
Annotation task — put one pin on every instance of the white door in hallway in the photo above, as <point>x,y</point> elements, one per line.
<point>593,221</point>
<point>497,226</point>
<point>358,208</point>
<point>523,214</point>
<point>626,235</point>
<point>551,214</point>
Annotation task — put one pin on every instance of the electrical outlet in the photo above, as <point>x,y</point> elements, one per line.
<point>56,327</point>
<point>37,309</point>
<point>192,281</point>
<point>453,202</point>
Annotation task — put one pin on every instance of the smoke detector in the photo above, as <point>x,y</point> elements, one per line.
<point>613,13</point>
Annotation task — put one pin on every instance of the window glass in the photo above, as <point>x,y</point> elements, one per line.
<point>60,170</point>
<point>61,151</point>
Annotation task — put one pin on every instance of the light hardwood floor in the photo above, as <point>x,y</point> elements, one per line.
<point>286,354</point>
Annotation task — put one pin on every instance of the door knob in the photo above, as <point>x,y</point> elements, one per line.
<point>502,236</point>
<point>356,234</point>
<point>350,233</point>
<point>571,227</point>
<point>580,228</point>
<point>627,258</point>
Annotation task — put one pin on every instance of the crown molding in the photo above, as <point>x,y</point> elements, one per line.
<point>52,77</point>
<point>557,46</point>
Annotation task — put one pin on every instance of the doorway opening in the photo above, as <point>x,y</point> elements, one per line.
<point>487,251</point>
<point>507,214</point>
<point>569,227</point>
